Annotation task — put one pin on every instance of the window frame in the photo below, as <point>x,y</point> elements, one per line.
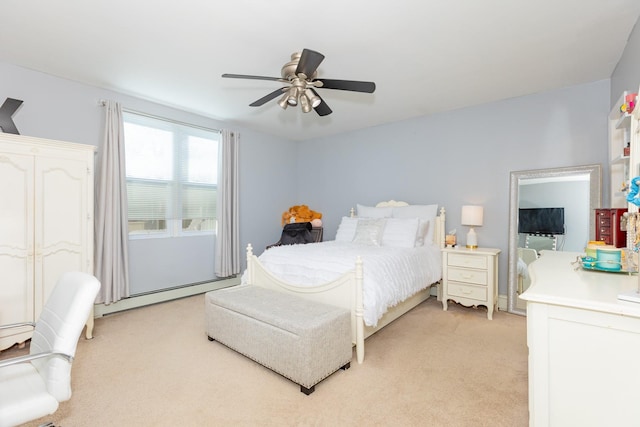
<point>174,209</point>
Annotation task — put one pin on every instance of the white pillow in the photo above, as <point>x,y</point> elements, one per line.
<point>423,231</point>
<point>424,212</point>
<point>373,212</point>
<point>400,232</point>
<point>369,232</point>
<point>347,229</point>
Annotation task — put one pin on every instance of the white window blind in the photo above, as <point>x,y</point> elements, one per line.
<point>172,176</point>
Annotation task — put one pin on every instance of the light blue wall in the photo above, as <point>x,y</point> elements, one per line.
<point>456,158</point>
<point>626,76</point>
<point>452,158</point>
<point>60,109</point>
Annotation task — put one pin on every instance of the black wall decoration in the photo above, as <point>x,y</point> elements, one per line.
<point>7,111</point>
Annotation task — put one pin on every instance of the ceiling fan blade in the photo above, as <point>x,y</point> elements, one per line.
<point>309,62</point>
<point>268,98</point>
<point>322,109</point>
<point>243,76</point>
<point>352,85</point>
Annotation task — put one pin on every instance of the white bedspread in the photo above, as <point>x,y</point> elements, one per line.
<point>390,274</point>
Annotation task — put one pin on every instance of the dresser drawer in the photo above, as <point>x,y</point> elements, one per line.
<point>467,291</point>
<point>479,277</point>
<point>604,221</point>
<point>605,231</point>
<point>470,261</point>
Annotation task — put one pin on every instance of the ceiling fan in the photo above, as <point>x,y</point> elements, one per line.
<point>300,76</point>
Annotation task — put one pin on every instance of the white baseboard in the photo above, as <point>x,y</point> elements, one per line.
<point>171,294</point>
<point>503,302</point>
<point>100,310</point>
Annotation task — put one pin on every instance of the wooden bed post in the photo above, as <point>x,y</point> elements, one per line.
<point>441,230</point>
<point>249,264</point>
<point>359,312</point>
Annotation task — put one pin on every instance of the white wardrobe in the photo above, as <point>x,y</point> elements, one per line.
<point>46,224</point>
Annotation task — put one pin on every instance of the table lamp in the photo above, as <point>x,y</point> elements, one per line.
<point>472,216</point>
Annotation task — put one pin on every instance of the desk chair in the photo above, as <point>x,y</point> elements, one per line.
<point>32,386</point>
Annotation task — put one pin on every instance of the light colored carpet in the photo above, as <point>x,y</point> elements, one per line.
<point>154,366</point>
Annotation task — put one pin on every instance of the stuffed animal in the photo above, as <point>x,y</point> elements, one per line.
<point>302,213</point>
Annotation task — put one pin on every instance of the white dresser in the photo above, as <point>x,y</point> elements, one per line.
<point>46,224</point>
<point>584,345</point>
<point>470,277</point>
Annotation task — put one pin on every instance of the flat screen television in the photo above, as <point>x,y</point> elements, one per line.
<point>541,221</point>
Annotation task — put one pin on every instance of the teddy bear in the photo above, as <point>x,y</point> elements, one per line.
<point>302,213</point>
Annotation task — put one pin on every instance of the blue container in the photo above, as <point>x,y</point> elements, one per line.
<point>609,259</point>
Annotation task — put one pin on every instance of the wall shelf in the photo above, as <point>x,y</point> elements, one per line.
<point>621,167</point>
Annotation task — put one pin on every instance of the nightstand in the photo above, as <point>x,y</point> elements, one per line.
<point>470,277</point>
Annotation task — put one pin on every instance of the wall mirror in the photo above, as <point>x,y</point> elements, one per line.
<point>576,190</point>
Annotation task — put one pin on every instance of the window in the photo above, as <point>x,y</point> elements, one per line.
<point>172,177</point>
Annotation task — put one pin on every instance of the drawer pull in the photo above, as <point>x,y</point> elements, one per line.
<point>466,276</point>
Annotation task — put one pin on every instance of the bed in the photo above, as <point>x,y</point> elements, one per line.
<point>355,262</point>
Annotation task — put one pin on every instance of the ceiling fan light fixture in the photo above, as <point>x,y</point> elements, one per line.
<point>292,98</point>
<point>283,101</point>
<point>299,79</point>
<point>304,103</point>
<point>314,100</point>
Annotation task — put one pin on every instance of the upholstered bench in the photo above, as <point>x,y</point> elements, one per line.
<point>302,340</point>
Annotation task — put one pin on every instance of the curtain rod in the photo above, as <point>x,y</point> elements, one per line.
<point>103,103</point>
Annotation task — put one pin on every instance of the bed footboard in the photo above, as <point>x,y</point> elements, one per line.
<point>345,292</point>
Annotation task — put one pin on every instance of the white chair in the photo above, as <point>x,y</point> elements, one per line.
<point>31,386</point>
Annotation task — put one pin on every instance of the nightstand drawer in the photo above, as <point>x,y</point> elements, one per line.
<point>479,277</point>
<point>470,261</point>
<point>468,291</point>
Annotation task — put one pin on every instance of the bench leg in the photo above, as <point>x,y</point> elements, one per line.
<point>307,391</point>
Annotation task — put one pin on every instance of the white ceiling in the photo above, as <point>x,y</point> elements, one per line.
<point>425,56</point>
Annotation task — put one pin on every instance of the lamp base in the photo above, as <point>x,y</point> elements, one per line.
<point>472,239</point>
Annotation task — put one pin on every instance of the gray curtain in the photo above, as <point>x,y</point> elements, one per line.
<point>111,229</point>
<point>227,261</point>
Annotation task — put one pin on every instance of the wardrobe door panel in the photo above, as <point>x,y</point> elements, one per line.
<point>16,245</point>
<point>60,221</point>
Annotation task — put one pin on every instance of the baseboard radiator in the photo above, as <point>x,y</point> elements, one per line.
<point>136,301</point>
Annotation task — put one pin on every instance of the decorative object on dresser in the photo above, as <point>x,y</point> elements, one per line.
<point>472,216</point>
<point>611,226</point>
<point>46,227</point>
<point>391,250</point>
<point>8,109</point>
<point>470,277</point>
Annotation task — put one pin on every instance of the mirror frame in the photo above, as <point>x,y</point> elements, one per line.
<point>595,200</point>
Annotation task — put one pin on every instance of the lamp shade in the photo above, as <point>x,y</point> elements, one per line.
<point>472,215</point>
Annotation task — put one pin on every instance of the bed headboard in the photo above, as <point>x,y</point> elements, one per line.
<point>391,203</point>
<point>440,231</point>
